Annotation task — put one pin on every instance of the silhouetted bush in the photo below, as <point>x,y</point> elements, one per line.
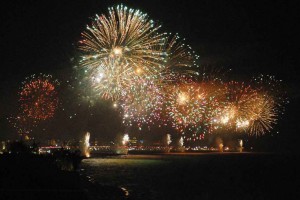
<point>18,147</point>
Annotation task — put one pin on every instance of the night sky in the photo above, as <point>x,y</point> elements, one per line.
<point>249,37</point>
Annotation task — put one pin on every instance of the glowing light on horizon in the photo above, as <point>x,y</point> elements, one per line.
<point>181,142</point>
<point>125,139</point>
<point>86,144</point>
<point>169,140</point>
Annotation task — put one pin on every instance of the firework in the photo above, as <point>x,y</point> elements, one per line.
<point>154,77</point>
<point>22,123</point>
<point>204,98</point>
<point>263,116</point>
<point>186,104</point>
<point>190,104</point>
<point>125,139</point>
<point>38,97</point>
<point>238,104</point>
<point>143,104</point>
<point>270,86</point>
<point>168,139</point>
<point>180,61</point>
<point>86,145</point>
<point>130,39</point>
<point>110,79</point>
<point>211,74</point>
<point>195,114</point>
<point>179,54</point>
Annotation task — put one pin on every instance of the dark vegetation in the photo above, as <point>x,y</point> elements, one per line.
<point>27,175</point>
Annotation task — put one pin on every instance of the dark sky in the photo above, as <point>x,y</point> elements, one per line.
<point>250,37</point>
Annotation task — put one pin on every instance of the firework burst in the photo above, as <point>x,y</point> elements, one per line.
<point>110,80</point>
<point>185,104</point>
<point>130,39</point>
<point>38,97</point>
<point>154,77</point>
<point>196,108</point>
<point>239,101</point>
<point>263,116</point>
<point>143,104</point>
<point>22,123</point>
<point>272,87</point>
<point>180,62</point>
<point>192,103</point>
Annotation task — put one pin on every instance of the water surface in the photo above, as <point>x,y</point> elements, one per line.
<point>198,176</point>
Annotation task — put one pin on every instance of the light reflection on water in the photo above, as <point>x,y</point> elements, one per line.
<point>133,174</point>
<point>197,176</point>
<point>149,176</point>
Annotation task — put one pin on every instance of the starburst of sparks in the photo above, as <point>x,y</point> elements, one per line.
<point>154,77</point>
<point>263,116</point>
<point>129,41</point>
<point>143,104</point>
<point>38,97</point>
<point>238,103</point>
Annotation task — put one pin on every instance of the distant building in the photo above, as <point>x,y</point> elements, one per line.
<point>51,142</point>
<point>133,141</point>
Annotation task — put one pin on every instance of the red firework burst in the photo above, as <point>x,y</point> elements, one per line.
<point>38,97</point>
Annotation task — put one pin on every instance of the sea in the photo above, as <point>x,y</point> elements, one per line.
<point>197,175</point>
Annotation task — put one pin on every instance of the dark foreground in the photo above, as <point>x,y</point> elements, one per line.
<point>31,176</point>
<point>199,176</point>
<point>169,176</point>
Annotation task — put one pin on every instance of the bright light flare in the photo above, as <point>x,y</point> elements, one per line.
<point>117,51</point>
<point>242,124</point>
<point>183,98</point>
<point>125,139</point>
